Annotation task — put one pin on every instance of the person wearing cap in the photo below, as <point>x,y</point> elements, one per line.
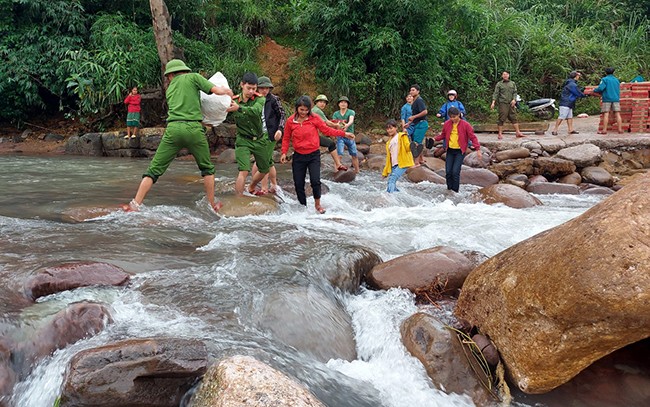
<point>505,96</point>
<point>457,134</point>
<point>273,121</point>
<point>184,130</point>
<point>452,101</point>
<point>345,117</point>
<point>319,104</point>
<point>418,120</point>
<point>247,109</point>
<point>610,89</point>
<point>570,93</point>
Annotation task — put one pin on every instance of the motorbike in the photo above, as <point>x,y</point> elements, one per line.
<point>541,108</point>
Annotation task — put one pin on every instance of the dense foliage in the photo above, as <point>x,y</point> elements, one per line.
<point>81,56</point>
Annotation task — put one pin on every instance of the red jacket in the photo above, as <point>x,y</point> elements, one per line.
<point>465,133</point>
<point>305,135</point>
<point>133,103</point>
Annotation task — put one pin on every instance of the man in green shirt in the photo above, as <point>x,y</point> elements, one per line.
<point>184,130</point>
<point>247,109</point>
<point>505,94</point>
<point>345,116</point>
<point>320,103</point>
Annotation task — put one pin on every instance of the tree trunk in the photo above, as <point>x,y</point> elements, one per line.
<point>163,34</point>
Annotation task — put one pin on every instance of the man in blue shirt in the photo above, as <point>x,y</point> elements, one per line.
<point>570,93</point>
<point>610,90</point>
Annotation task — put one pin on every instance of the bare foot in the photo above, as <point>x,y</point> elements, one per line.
<point>519,135</point>
<point>320,209</point>
<point>500,137</point>
<point>216,206</point>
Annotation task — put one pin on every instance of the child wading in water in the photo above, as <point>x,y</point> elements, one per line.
<point>398,155</point>
<point>132,103</point>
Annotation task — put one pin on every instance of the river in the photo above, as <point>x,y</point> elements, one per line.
<point>196,275</point>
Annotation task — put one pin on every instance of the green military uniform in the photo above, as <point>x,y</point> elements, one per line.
<point>184,128</point>
<point>251,138</point>
<point>504,93</point>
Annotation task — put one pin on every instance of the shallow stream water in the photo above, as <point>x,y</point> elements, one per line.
<point>199,276</point>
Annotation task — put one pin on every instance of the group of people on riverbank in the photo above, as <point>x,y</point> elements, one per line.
<point>261,123</point>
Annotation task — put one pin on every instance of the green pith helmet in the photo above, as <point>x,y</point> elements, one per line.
<point>321,97</point>
<point>176,65</point>
<point>344,99</point>
<point>264,82</point>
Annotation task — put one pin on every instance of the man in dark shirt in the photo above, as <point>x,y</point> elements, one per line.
<point>418,119</point>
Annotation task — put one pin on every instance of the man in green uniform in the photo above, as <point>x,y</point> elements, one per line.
<point>184,130</point>
<point>505,94</point>
<point>247,109</point>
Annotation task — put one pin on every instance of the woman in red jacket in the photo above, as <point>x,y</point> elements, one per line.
<point>456,133</point>
<point>132,103</point>
<point>301,130</point>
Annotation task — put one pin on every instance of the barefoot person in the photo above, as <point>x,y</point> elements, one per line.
<point>132,103</point>
<point>301,131</point>
<point>273,122</point>
<point>504,96</point>
<point>184,130</point>
<point>610,89</point>
<point>247,109</point>
<point>319,104</point>
<point>398,155</point>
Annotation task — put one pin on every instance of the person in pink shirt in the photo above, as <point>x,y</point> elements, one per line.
<point>301,130</point>
<point>132,103</point>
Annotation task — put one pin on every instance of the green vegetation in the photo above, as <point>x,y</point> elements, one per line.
<point>81,56</point>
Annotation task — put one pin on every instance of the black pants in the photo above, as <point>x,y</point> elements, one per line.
<point>327,142</point>
<point>453,163</point>
<point>299,165</point>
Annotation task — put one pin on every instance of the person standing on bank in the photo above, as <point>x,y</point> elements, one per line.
<point>610,89</point>
<point>301,131</point>
<point>273,121</point>
<point>319,104</point>
<point>247,109</point>
<point>457,133</point>
<point>132,103</point>
<point>418,120</point>
<point>505,97</point>
<point>345,116</point>
<point>184,130</point>
<point>398,155</point>
<point>570,93</point>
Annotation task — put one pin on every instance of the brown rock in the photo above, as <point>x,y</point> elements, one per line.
<point>69,276</point>
<point>586,297</point>
<point>509,195</point>
<point>443,266</point>
<point>551,167</point>
<point>519,152</point>
<point>237,206</point>
<point>154,372</point>
<point>552,188</point>
<point>422,173</point>
<point>478,176</point>
<point>537,179</point>
<point>441,353</point>
<point>598,176</point>
<point>574,178</point>
<point>521,166</point>
<point>242,381</point>
<point>344,176</point>
<point>434,163</point>
<point>376,162</point>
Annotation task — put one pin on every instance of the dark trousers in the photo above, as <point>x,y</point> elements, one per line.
<point>299,165</point>
<point>453,163</point>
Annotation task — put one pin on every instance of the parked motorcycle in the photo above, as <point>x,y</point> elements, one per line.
<point>541,108</point>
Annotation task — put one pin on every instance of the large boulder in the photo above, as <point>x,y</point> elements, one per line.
<point>519,152</point>
<point>519,166</point>
<point>542,188</point>
<point>242,381</point>
<point>553,315</point>
<point>237,206</point>
<point>309,320</point>
<point>349,264</point>
<point>597,176</point>
<point>152,372</point>
<point>344,176</point>
<point>552,167</point>
<point>574,178</point>
<point>478,176</point>
<point>74,275</point>
<point>441,266</point>
<point>376,162</point>
<point>509,195</point>
<point>422,173</point>
<point>582,155</point>
<point>437,347</point>
<point>88,144</point>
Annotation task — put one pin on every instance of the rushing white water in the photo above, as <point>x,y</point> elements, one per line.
<point>196,276</point>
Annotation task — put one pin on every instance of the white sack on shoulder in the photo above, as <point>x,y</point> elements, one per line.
<point>214,107</point>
